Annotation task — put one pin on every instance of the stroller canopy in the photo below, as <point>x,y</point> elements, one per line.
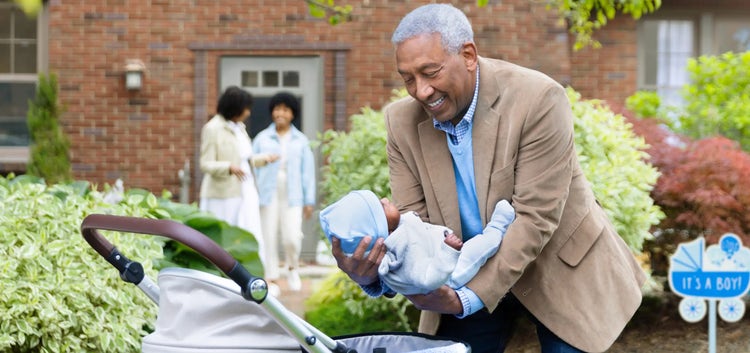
<point>200,312</point>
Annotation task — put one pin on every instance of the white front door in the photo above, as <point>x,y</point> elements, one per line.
<point>264,76</point>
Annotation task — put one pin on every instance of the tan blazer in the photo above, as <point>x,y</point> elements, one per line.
<point>561,256</point>
<point>218,152</point>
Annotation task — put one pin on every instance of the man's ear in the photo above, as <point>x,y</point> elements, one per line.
<point>469,53</point>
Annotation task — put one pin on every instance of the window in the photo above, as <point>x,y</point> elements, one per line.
<point>666,43</point>
<point>18,35</point>
<point>249,78</point>
<point>19,64</point>
<point>732,34</point>
<point>270,79</point>
<point>667,46</point>
<point>291,78</point>
<point>14,98</point>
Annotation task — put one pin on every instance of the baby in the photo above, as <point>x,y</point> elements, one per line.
<point>420,257</point>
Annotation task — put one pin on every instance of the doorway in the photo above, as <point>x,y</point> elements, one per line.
<point>264,76</point>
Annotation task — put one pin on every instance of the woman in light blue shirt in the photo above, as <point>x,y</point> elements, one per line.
<point>286,187</point>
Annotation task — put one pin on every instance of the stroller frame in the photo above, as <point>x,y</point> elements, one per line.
<point>252,288</point>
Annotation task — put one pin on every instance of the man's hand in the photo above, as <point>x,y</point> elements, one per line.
<point>443,300</point>
<point>361,269</point>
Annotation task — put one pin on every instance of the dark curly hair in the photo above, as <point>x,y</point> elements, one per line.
<point>286,99</point>
<point>233,102</point>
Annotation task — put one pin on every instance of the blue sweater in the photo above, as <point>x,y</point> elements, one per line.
<point>463,168</point>
<point>300,167</point>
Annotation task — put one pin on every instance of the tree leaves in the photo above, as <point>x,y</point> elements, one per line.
<point>582,16</point>
<point>718,98</point>
<point>328,9</point>
<point>585,16</point>
<point>49,145</point>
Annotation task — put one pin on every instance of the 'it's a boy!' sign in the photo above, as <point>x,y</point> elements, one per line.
<point>716,284</point>
<point>720,272</point>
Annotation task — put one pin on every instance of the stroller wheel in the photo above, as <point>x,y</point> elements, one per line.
<point>692,309</point>
<point>731,310</point>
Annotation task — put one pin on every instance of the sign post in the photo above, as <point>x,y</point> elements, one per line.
<point>719,274</point>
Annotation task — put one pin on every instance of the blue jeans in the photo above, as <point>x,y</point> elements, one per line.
<point>490,333</point>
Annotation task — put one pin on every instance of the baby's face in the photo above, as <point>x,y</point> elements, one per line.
<point>391,214</point>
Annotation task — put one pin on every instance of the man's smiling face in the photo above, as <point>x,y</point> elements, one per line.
<point>442,82</point>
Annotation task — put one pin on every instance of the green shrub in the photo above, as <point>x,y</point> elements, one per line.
<point>49,145</point>
<point>356,159</point>
<point>62,295</point>
<point>645,104</point>
<point>58,294</point>
<point>339,307</point>
<point>613,159</point>
<point>718,98</point>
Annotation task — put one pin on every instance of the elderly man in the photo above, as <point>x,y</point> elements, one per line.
<point>477,130</point>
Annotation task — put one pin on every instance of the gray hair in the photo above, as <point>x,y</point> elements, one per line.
<point>452,25</point>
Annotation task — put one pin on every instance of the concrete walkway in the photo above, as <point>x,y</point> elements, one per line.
<point>311,275</point>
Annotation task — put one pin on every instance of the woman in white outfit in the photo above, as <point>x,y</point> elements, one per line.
<point>228,188</point>
<point>286,187</point>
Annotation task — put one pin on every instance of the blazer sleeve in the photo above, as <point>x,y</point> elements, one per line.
<point>209,152</point>
<point>544,168</point>
<point>406,189</point>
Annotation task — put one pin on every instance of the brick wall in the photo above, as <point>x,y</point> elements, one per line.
<point>145,136</point>
<point>610,72</point>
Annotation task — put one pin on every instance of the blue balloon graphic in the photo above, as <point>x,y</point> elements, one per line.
<point>730,245</point>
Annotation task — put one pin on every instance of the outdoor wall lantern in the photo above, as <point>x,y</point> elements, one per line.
<point>134,69</point>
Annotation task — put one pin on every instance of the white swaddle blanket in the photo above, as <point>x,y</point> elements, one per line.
<point>417,260</point>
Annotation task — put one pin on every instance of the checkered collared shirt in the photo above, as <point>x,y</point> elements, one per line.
<point>457,132</point>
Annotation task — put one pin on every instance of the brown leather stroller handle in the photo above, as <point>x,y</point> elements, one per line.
<point>170,229</point>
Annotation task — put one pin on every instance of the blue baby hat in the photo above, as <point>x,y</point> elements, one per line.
<point>354,216</point>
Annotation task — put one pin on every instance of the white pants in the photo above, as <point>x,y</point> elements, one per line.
<point>240,211</point>
<point>281,222</point>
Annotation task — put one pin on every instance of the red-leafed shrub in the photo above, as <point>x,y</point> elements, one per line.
<point>704,189</point>
<point>666,148</point>
<point>706,193</point>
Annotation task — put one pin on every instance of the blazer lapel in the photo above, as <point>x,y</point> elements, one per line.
<point>485,135</point>
<point>439,166</point>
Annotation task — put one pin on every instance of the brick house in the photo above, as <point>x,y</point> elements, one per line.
<point>192,49</point>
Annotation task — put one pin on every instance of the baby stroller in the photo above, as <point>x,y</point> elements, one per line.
<point>200,312</point>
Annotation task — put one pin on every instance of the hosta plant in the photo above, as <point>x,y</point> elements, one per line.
<point>56,293</point>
